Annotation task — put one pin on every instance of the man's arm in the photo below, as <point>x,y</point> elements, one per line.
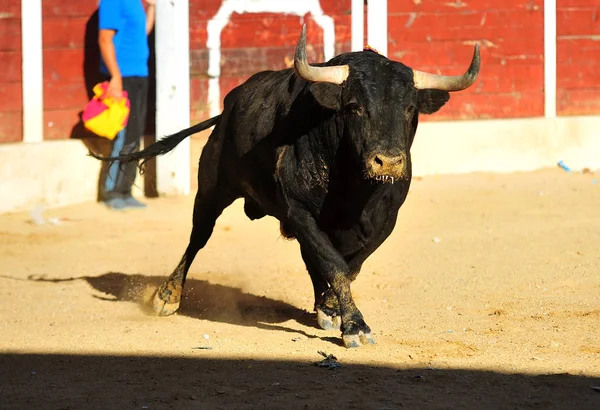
<point>107,49</point>
<point>150,15</point>
<point>109,22</point>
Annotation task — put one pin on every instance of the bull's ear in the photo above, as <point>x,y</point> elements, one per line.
<point>431,101</point>
<point>327,94</point>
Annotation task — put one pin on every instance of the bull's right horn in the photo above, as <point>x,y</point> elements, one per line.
<point>332,74</point>
<point>425,80</point>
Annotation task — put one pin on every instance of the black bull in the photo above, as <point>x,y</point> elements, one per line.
<point>325,149</point>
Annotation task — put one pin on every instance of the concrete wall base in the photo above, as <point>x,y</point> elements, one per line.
<point>58,173</point>
<point>49,173</point>
<point>506,145</point>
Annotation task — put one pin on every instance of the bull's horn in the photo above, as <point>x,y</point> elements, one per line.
<point>424,80</point>
<point>333,74</point>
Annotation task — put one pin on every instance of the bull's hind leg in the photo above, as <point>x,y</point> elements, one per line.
<point>207,209</point>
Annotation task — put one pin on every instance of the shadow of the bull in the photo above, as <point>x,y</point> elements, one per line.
<point>200,300</point>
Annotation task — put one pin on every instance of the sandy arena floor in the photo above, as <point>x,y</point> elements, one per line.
<point>487,295</point>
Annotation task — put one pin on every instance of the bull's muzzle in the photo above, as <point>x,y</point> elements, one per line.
<point>388,169</point>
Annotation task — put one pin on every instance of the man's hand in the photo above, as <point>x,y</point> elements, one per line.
<point>115,87</point>
<point>151,2</point>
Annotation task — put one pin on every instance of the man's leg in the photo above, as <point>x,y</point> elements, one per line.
<point>121,177</point>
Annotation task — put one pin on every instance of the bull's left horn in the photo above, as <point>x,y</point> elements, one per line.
<point>333,74</point>
<point>425,80</point>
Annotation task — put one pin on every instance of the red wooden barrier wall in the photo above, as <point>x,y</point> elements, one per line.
<point>11,100</point>
<point>64,33</point>
<point>255,42</point>
<point>439,34</point>
<point>578,57</point>
<point>432,35</point>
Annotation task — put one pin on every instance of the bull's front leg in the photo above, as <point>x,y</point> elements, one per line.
<point>320,253</point>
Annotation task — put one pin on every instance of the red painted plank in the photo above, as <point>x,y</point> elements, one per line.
<point>343,29</point>
<point>268,30</point>
<point>228,83</point>
<point>578,22</point>
<point>506,78</point>
<point>11,67</point>
<point>198,93</point>
<point>64,32</point>
<point>336,7</point>
<point>198,34</point>
<point>11,126</point>
<point>446,53</point>
<point>11,100</point>
<point>207,9</point>
<point>10,35</point>
<point>63,64</point>
<point>563,4</point>
<point>199,109</point>
<point>578,102</point>
<point>259,30</point>
<point>203,9</point>
<point>396,6</point>
<point>236,35</point>
<point>486,106</point>
<point>431,27</point>
<point>58,124</point>
<point>247,61</point>
<point>578,75</point>
<point>198,62</point>
<point>62,8</point>
<point>11,9</point>
<point>577,50</point>
<point>65,94</point>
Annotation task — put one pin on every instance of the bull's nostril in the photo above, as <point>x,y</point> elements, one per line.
<point>378,161</point>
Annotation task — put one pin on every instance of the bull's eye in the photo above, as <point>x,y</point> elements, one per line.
<point>355,108</point>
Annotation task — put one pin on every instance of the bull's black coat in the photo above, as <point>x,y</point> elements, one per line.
<point>308,153</point>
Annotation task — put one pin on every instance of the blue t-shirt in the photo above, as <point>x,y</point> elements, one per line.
<point>128,19</point>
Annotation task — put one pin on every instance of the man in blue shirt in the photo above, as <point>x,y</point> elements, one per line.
<point>123,31</point>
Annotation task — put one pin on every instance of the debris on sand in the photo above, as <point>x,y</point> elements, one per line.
<point>37,217</point>
<point>584,170</point>
<point>330,361</point>
<point>563,166</point>
<point>202,348</point>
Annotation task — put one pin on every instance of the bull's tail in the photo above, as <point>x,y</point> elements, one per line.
<point>162,146</point>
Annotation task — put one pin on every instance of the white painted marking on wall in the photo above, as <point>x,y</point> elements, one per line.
<point>358,25</point>
<point>221,19</point>
<point>173,93</point>
<point>377,35</point>
<point>33,65</point>
<point>550,58</point>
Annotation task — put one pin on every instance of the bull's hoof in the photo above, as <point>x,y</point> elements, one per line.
<point>361,338</point>
<point>162,308</point>
<point>328,322</point>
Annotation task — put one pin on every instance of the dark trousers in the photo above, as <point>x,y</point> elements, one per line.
<point>120,177</point>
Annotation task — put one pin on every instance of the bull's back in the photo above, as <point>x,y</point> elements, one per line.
<point>248,138</point>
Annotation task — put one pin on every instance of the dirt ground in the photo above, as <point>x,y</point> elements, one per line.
<point>487,295</point>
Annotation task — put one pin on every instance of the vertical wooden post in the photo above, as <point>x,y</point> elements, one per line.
<point>33,86</point>
<point>173,93</point>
